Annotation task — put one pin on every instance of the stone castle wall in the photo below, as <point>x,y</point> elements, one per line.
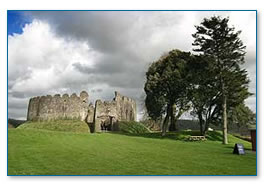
<point>103,116</point>
<point>108,113</point>
<point>126,108</point>
<point>58,107</point>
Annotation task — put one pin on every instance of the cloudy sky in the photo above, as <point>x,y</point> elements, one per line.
<point>53,52</point>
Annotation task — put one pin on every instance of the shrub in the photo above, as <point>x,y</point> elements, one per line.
<point>132,127</point>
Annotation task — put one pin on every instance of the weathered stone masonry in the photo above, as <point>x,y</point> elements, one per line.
<point>103,116</point>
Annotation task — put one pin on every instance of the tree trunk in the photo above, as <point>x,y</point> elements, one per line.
<point>201,123</point>
<point>172,121</point>
<point>206,127</point>
<point>166,121</point>
<point>201,128</point>
<point>225,141</point>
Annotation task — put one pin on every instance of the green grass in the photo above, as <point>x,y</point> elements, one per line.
<point>133,127</point>
<point>34,151</point>
<point>58,125</point>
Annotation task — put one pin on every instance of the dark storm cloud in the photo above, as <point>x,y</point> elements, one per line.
<point>122,38</point>
<point>109,31</point>
<point>109,65</point>
<point>123,79</point>
<point>116,71</point>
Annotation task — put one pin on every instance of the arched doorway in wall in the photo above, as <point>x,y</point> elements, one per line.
<point>126,115</point>
<point>107,124</point>
<point>131,116</point>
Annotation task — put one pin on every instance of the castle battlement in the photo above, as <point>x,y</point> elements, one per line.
<point>83,94</point>
<point>58,107</point>
<point>43,108</point>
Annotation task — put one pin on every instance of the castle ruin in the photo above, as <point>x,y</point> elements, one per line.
<point>104,115</point>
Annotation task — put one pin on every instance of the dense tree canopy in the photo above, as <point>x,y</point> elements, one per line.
<point>166,87</point>
<point>205,94</point>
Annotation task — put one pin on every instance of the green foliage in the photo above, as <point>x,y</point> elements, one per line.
<point>214,38</point>
<point>43,152</point>
<point>203,92</point>
<point>133,127</point>
<point>57,125</point>
<point>166,86</point>
<point>220,44</point>
<point>241,115</point>
<point>165,80</point>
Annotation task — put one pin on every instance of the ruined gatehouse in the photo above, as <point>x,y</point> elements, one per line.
<point>103,115</point>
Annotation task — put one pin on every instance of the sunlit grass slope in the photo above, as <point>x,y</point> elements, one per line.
<point>33,151</point>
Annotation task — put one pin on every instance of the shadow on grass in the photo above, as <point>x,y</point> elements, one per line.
<point>154,135</point>
<point>182,135</point>
<point>214,136</point>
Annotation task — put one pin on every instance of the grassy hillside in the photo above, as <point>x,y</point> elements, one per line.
<point>133,127</point>
<point>57,125</point>
<point>34,151</point>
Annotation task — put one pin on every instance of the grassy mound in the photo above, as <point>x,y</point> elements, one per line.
<point>133,127</point>
<point>57,125</point>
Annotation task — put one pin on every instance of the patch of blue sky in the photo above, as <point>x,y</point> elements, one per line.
<point>16,20</point>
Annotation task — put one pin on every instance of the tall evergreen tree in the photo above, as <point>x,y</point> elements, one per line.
<point>218,41</point>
